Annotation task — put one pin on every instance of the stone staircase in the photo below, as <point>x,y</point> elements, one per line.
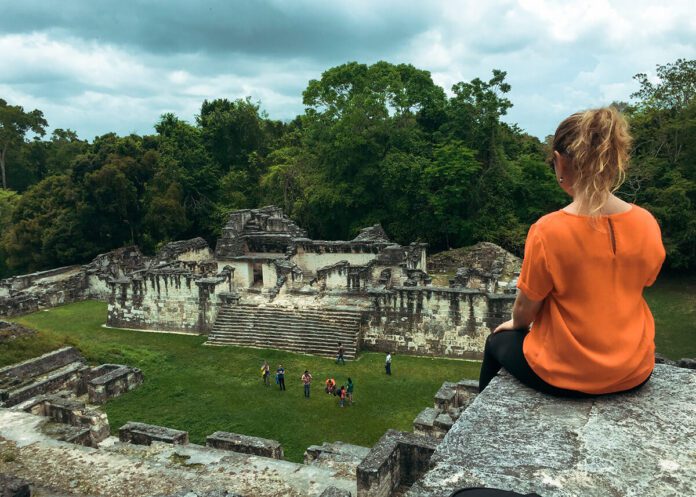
<point>310,331</point>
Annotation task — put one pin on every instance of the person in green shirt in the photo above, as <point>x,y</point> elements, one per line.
<point>349,391</point>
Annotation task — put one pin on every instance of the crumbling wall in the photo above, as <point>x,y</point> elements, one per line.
<point>433,320</point>
<point>31,292</point>
<point>169,299</point>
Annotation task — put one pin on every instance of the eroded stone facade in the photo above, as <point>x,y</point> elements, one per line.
<point>263,260</point>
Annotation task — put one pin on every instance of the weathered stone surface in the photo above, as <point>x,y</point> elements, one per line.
<point>661,359</point>
<point>430,320</point>
<point>373,233</point>
<point>245,444</point>
<point>425,419</point>
<point>687,363</point>
<point>446,396</point>
<point>396,460</point>
<point>210,493</point>
<point>195,249</point>
<point>443,421</point>
<point>160,469</point>
<point>340,457</point>
<point>12,331</point>
<point>68,411</point>
<point>11,486</point>
<point>335,492</point>
<point>66,377</point>
<point>631,445</point>
<point>145,434</point>
<point>41,365</point>
<point>111,380</point>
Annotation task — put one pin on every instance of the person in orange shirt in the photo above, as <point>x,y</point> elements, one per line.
<point>580,325</point>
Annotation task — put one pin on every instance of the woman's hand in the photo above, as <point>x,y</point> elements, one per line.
<point>507,325</point>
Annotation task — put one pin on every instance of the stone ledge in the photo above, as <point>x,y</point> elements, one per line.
<point>144,434</point>
<point>245,444</point>
<point>511,437</point>
<point>396,460</point>
<point>42,364</point>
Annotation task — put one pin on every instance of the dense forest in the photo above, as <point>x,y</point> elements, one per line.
<point>376,143</point>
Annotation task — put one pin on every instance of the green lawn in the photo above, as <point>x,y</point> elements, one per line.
<point>672,300</point>
<point>204,389</point>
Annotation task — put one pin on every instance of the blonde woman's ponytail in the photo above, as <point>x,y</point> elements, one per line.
<point>598,143</point>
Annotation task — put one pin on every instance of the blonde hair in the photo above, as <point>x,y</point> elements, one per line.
<point>598,142</point>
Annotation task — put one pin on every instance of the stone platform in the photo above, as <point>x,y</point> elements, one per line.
<point>630,445</point>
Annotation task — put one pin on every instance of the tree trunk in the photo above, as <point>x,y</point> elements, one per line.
<point>2,165</point>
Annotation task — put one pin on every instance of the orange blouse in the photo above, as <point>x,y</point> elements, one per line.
<point>594,332</point>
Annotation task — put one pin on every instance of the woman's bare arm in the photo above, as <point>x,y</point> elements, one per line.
<point>523,313</point>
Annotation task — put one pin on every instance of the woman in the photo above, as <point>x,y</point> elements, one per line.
<point>266,373</point>
<point>583,274</point>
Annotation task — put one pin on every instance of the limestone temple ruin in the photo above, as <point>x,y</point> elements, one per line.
<point>267,285</point>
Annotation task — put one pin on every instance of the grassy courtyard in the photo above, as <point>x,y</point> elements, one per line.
<point>204,389</point>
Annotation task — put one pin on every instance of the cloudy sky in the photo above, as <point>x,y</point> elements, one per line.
<point>97,66</point>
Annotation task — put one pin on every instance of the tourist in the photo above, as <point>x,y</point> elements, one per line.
<point>584,270</point>
<point>280,376</point>
<point>330,385</point>
<point>349,391</point>
<point>339,354</point>
<point>387,363</point>
<point>266,373</point>
<point>306,381</point>
<point>342,396</point>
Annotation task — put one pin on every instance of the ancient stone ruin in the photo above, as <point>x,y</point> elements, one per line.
<point>508,437</point>
<point>267,285</point>
<point>60,386</point>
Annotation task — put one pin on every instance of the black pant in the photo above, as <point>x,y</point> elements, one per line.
<point>504,349</point>
<point>281,382</point>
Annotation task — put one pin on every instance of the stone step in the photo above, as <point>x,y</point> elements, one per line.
<point>289,328</point>
<point>302,350</point>
<point>241,324</point>
<point>257,310</point>
<point>312,331</point>
<point>281,324</point>
<point>287,319</point>
<point>290,338</point>
<point>331,343</point>
<point>281,342</point>
<point>48,383</point>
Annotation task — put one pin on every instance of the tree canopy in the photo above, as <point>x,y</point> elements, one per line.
<point>375,143</point>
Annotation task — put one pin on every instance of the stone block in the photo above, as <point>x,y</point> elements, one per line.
<point>425,420</point>
<point>113,381</point>
<point>512,437</point>
<point>687,363</point>
<point>11,486</point>
<point>245,444</point>
<point>335,492</point>
<point>42,364</point>
<point>446,396</point>
<point>145,434</point>
<point>443,422</point>
<point>396,460</point>
<point>67,377</point>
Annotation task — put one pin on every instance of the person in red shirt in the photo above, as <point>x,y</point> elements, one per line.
<point>580,325</point>
<point>342,396</point>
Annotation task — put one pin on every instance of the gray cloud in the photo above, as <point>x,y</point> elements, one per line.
<point>98,66</point>
<point>315,29</point>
